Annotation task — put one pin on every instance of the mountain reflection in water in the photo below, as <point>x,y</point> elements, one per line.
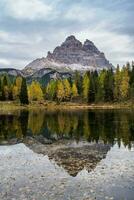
<point>55,133</point>
<point>92,126</point>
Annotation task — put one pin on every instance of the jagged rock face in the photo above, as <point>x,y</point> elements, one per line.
<point>72,51</point>
<point>70,56</point>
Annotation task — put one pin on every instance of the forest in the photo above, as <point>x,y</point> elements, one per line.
<point>107,85</point>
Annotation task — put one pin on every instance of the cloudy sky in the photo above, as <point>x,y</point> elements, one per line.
<point>30,28</point>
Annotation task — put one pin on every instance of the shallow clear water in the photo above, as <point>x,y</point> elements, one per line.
<point>67,155</point>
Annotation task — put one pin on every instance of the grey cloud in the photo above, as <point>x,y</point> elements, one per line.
<point>112,18</point>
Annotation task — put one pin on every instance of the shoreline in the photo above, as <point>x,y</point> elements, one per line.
<point>8,106</point>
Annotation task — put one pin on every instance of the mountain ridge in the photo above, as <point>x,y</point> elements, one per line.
<point>71,55</point>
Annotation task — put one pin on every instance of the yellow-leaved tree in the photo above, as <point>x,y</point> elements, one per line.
<point>35,92</point>
<point>67,89</point>
<point>85,87</point>
<point>16,88</point>
<point>60,93</point>
<point>124,85</point>
<point>74,91</point>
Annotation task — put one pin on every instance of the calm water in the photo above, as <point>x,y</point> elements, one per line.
<point>92,126</point>
<point>74,155</point>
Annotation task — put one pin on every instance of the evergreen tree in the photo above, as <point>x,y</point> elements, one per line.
<point>109,86</point>
<point>4,89</point>
<point>5,81</point>
<point>100,89</point>
<point>10,93</point>
<point>92,89</point>
<point>78,81</point>
<point>0,89</point>
<point>132,91</point>
<point>131,82</point>
<point>24,92</point>
<point>132,75</point>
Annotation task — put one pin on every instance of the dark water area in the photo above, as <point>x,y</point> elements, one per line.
<point>62,155</point>
<point>108,126</point>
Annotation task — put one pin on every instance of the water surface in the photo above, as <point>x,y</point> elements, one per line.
<point>67,155</point>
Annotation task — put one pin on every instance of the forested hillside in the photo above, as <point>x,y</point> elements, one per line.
<point>92,87</point>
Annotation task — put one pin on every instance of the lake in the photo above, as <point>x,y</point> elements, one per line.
<point>67,155</point>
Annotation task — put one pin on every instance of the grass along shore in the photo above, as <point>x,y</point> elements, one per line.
<point>50,105</point>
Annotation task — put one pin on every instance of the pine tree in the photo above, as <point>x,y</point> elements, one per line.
<point>10,93</point>
<point>132,75</point>
<point>86,86</point>
<point>131,82</point>
<point>4,89</point>
<point>100,90</point>
<point>92,89</point>
<point>5,81</point>
<point>78,81</point>
<point>24,92</point>
<point>132,91</point>
<point>109,86</point>
<point>0,89</point>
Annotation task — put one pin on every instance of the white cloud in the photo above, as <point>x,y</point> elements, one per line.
<point>112,44</point>
<point>95,22</point>
<point>80,13</point>
<point>19,38</point>
<point>27,9</point>
<point>4,62</point>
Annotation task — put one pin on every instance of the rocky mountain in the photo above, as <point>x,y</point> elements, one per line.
<point>11,71</point>
<point>43,76</point>
<point>70,56</point>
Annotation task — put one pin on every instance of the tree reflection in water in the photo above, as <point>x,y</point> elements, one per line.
<point>92,126</point>
<point>92,132</point>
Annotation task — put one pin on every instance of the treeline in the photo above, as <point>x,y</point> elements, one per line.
<point>92,87</point>
<point>13,89</point>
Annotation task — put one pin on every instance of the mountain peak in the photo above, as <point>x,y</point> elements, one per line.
<point>89,46</point>
<point>71,37</point>
<point>88,42</point>
<point>72,51</point>
<point>72,55</point>
<point>71,41</point>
